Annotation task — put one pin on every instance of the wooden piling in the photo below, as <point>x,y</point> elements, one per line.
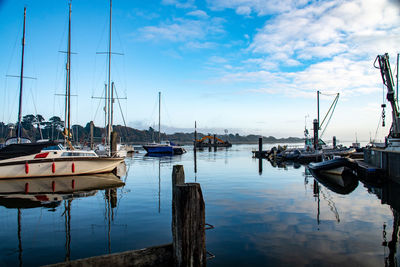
<point>189,219</point>
<point>91,135</point>
<point>316,128</point>
<point>113,146</point>
<point>260,145</point>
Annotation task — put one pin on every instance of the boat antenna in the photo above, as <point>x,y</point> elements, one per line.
<point>19,126</point>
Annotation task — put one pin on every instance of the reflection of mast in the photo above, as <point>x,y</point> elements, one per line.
<point>67,214</point>
<point>19,238</point>
<point>159,185</point>
<point>332,206</point>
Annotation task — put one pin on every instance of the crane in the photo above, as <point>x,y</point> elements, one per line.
<point>386,73</point>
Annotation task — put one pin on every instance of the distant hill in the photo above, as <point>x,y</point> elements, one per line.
<point>36,128</point>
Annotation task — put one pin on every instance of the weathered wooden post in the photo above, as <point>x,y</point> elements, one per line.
<point>113,146</point>
<point>195,136</point>
<point>316,138</point>
<point>188,221</point>
<point>91,135</point>
<point>260,145</point>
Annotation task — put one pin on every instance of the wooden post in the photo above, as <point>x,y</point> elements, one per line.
<point>316,128</point>
<point>189,237</point>
<point>113,146</point>
<point>260,143</point>
<point>178,177</point>
<point>91,135</point>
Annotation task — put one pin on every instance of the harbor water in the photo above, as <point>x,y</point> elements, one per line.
<point>263,215</point>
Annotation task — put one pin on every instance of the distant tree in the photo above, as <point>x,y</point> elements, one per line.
<point>27,121</point>
<point>56,122</point>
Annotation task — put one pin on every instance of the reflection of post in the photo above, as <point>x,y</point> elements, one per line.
<point>107,194</point>
<point>67,214</point>
<point>393,243</point>
<point>19,238</point>
<point>260,167</point>
<point>316,194</point>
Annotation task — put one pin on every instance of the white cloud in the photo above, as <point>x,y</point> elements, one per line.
<point>179,3</point>
<point>199,14</point>
<point>184,30</point>
<point>260,7</point>
<point>243,10</point>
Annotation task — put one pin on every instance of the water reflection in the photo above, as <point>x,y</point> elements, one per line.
<point>341,184</point>
<point>389,194</point>
<point>22,194</point>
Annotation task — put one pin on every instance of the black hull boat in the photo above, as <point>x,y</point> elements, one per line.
<point>334,166</point>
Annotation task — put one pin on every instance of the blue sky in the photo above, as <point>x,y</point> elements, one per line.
<point>241,65</point>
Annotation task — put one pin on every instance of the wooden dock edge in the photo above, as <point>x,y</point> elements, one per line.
<point>152,256</point>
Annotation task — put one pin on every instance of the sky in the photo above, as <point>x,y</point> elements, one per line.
<point>245,66</point>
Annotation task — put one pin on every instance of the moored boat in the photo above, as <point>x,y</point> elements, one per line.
<point>51,159</point>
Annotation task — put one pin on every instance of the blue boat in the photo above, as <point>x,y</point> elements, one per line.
<point>165,148</point>
<point>162,148</point>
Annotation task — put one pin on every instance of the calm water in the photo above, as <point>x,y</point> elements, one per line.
<point>276,218</point>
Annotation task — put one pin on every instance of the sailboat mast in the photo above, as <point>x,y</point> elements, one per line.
<point>159,117</point>
<point>109,79</point>
<point>69,73</point>
<point>19,130</point>
<point>112,103</point>
<point>318,108</point>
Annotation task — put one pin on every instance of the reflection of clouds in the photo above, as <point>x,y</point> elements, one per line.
<point>276,221</point>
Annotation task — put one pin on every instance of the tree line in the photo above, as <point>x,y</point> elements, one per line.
<point>35,127</point>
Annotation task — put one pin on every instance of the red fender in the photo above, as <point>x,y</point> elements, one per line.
<point>73,167</point>
<point>53,167</point>
<point>26,168</point>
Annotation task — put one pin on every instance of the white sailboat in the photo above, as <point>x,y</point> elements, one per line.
<point>44,159</point>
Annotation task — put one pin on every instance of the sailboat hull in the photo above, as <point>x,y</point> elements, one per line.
<point>57,167</point>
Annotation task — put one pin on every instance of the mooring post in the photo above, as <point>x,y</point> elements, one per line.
<point>316,128</point>
<point>188,221</point>
<point>113,146</point>
<point>260,144</point>
<point>189,238</point>
<point>91,135</point>
<point>334,142</point>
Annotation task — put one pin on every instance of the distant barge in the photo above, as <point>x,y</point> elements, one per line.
<point>211,141</point>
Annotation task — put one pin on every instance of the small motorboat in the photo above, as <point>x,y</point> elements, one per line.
<point>333,166</point>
